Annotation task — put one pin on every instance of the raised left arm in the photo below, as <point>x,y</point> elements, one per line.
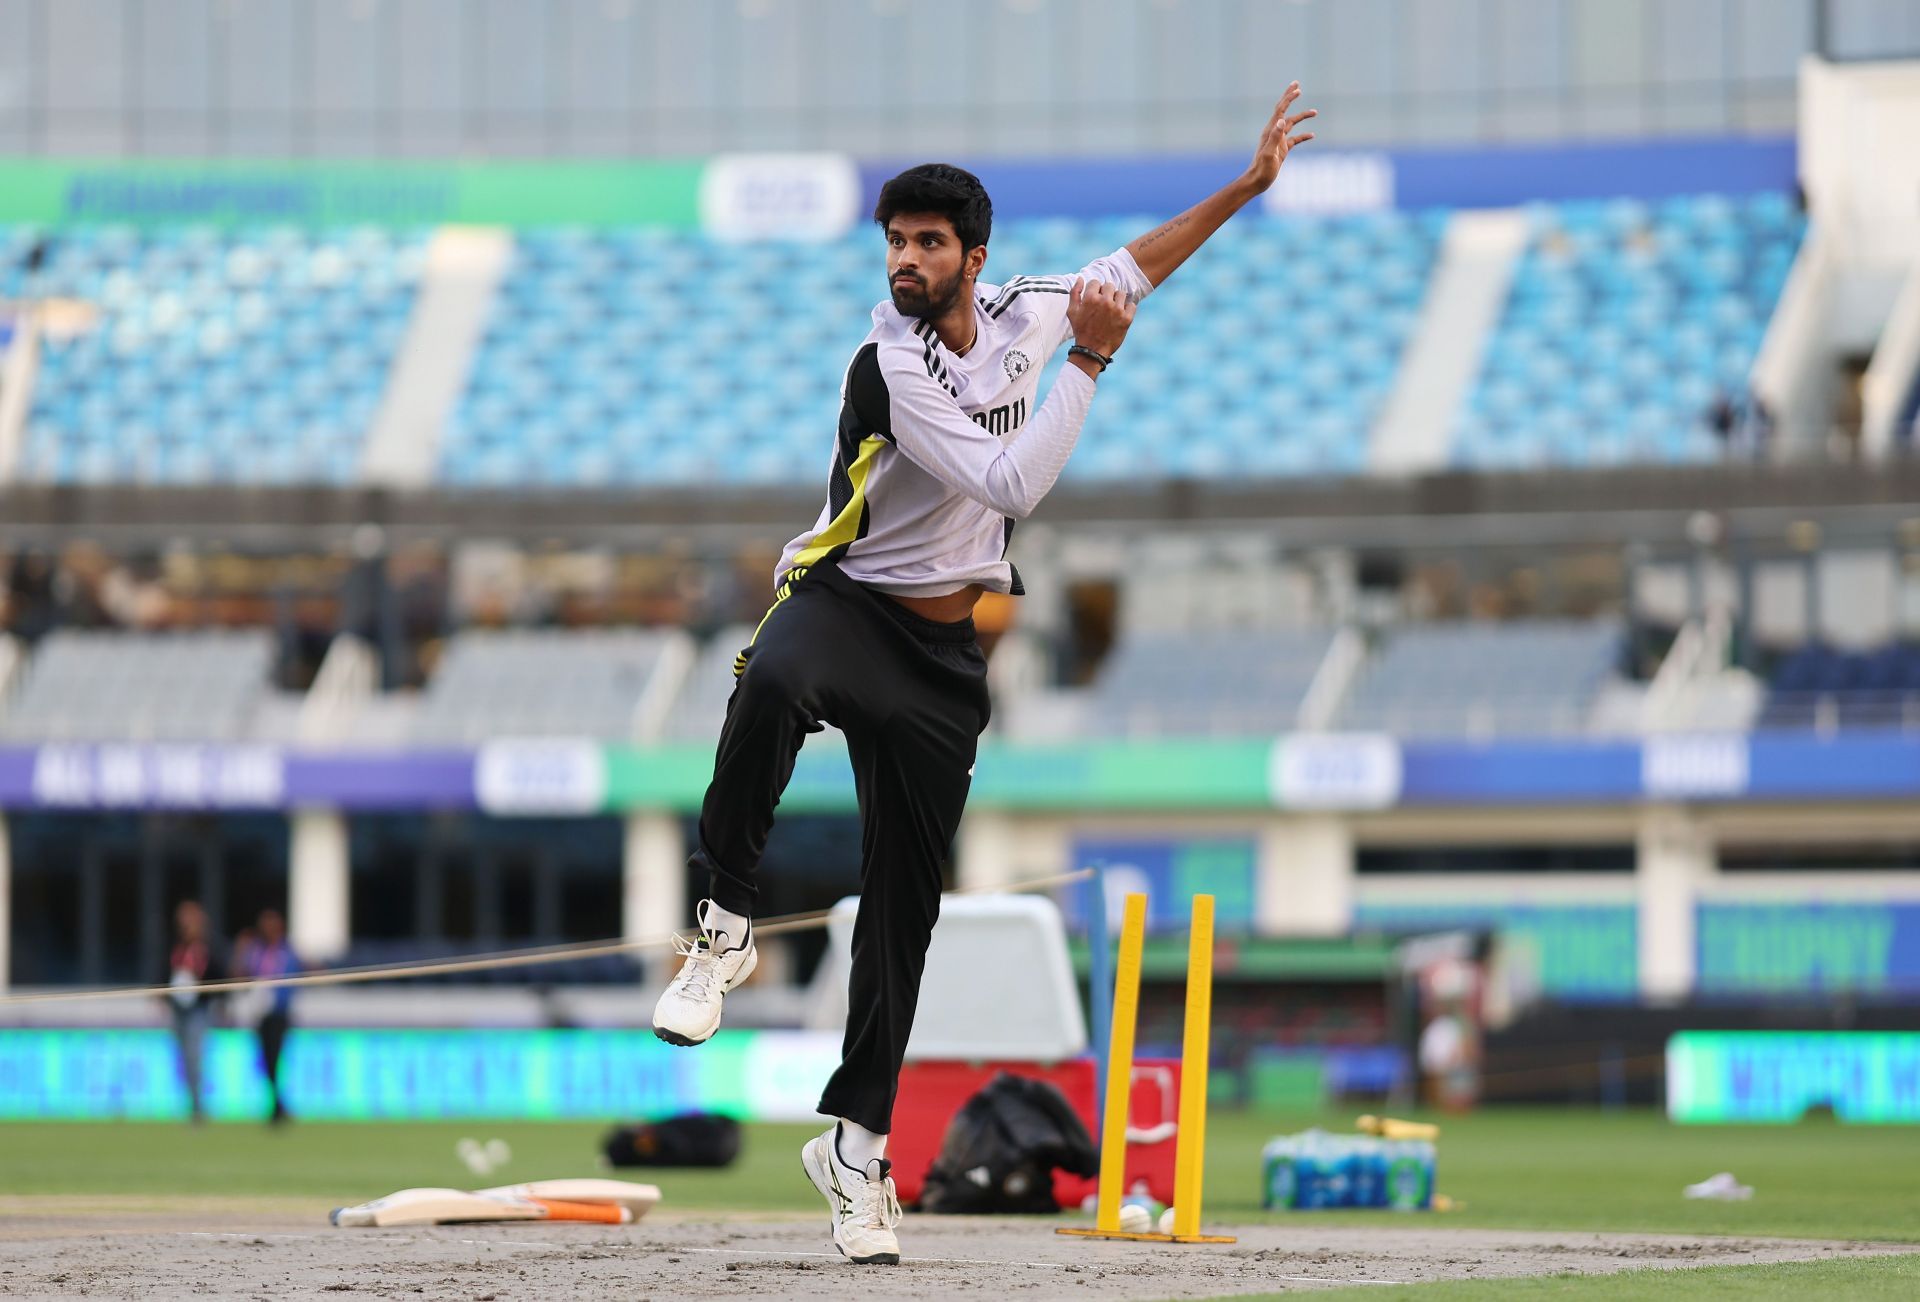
<point>1161,250</point>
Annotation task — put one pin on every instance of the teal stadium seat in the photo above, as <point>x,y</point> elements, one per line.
<point>1624,321</point>
<point>249,357</point>
<point>1252,361</point>
<point>259,356</point>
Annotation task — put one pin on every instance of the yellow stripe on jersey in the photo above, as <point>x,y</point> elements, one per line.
<point>847,527</point>
<point>841,531</point>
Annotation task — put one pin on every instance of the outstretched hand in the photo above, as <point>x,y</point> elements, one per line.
<point>1278,140</point>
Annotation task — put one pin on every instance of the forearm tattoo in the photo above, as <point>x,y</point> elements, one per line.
<point>1168,229</point>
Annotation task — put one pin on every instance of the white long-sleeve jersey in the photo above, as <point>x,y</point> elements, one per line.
<point>937,455</point>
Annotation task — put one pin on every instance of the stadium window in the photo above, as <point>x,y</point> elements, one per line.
<point>1868,856</point>
<point>1404,860</point>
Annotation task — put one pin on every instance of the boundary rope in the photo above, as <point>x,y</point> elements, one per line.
<point>496,959</point>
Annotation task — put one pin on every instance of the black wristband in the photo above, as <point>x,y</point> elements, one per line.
<point>1081,350</point>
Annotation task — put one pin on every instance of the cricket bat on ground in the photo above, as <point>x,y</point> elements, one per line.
<point>638,1199</point>
<point>457,1206</point>
<point>1395,1128</point>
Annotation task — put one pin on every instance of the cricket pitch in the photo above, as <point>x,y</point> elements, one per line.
<point>143,1247</point>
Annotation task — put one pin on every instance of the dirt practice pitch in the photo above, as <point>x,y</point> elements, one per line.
<point>228,1211</point>
<point>136,1247</point>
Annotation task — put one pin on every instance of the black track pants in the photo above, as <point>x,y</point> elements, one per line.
<point>911,697</point>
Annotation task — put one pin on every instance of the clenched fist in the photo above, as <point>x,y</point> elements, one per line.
<point>1100,315</point>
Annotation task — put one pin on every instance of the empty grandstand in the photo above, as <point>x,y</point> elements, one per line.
<point>1828,688</point>
<point>702,700</point>
<point>1627,322</point>
<point>106,686</point>
<point>1231,682</point>
<point>263,356</point>
<point>257,357</point>
<point>593,371</point>
<point>600,684</point>
<point>1523,678</point>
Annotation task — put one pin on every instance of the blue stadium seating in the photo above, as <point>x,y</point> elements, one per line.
<point>660,358</point>
<point>1624,323</point>
<point>1520,678</point>
<point>1822,686</point>
<point>251,358</point>
<point>1253,686</point>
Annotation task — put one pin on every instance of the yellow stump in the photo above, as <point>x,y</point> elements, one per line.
<point>1126,1011</point>
<point>1190,1160</point>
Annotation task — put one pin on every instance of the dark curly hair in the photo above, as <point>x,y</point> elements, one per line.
<point>952,192</point>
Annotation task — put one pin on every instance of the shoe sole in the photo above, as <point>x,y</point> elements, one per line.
<point>818,1180</point>
<point>687,1041</point>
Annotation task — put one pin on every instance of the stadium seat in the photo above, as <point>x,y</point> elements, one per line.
<point>1524,678</point>
<point>115,686</point>
<point>254,357</point>
<point>526,683</point>
<point>701,705</point>
<point>1252,684</point>
<point>587,375</point>
<point>260,356</point>
<point>1624,322</point>
<point>1819,686</point>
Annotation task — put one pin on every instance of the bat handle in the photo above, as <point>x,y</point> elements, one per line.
<point>597,1213</point>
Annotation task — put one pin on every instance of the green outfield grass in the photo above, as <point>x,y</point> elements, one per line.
<point>1873,1278</point>
<point>1531,1169</point>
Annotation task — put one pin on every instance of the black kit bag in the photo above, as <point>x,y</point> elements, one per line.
<point>1002,1148</point>
<point>691,1139</point>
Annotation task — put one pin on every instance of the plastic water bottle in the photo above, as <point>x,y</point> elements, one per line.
<point>1410,1171</point>
<point>1329,1170</point>
<point>1279,1173</point>
<point>1368,1172</point>
<point>1314,1169</point>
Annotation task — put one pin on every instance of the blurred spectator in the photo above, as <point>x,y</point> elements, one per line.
<point>134,596</point>
<point>306,630</point>
<point>404,603</point>
<point>264,954</point>
<point>80,587</point>
<point>192,961</point>
<point>715,594</point>
<point>418,575</point>
<point>1449,1051</point>
<point>29,602</point>
<point>1722,417</point>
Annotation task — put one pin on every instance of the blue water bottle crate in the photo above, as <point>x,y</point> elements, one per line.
<point>1315,1169</point>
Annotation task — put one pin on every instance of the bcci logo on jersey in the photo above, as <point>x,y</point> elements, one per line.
<point>1016,363</point>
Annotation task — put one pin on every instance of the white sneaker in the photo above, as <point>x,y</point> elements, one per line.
<point>689,1010</point>
<point>863,1206</point>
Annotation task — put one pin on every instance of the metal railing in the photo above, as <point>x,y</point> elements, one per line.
<point>1829,712</point>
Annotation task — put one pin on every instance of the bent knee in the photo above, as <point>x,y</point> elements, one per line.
<point>772,678</point>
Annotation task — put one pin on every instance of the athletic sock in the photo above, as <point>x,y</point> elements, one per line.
<point>733,926</point>
<point>856,1146</point>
